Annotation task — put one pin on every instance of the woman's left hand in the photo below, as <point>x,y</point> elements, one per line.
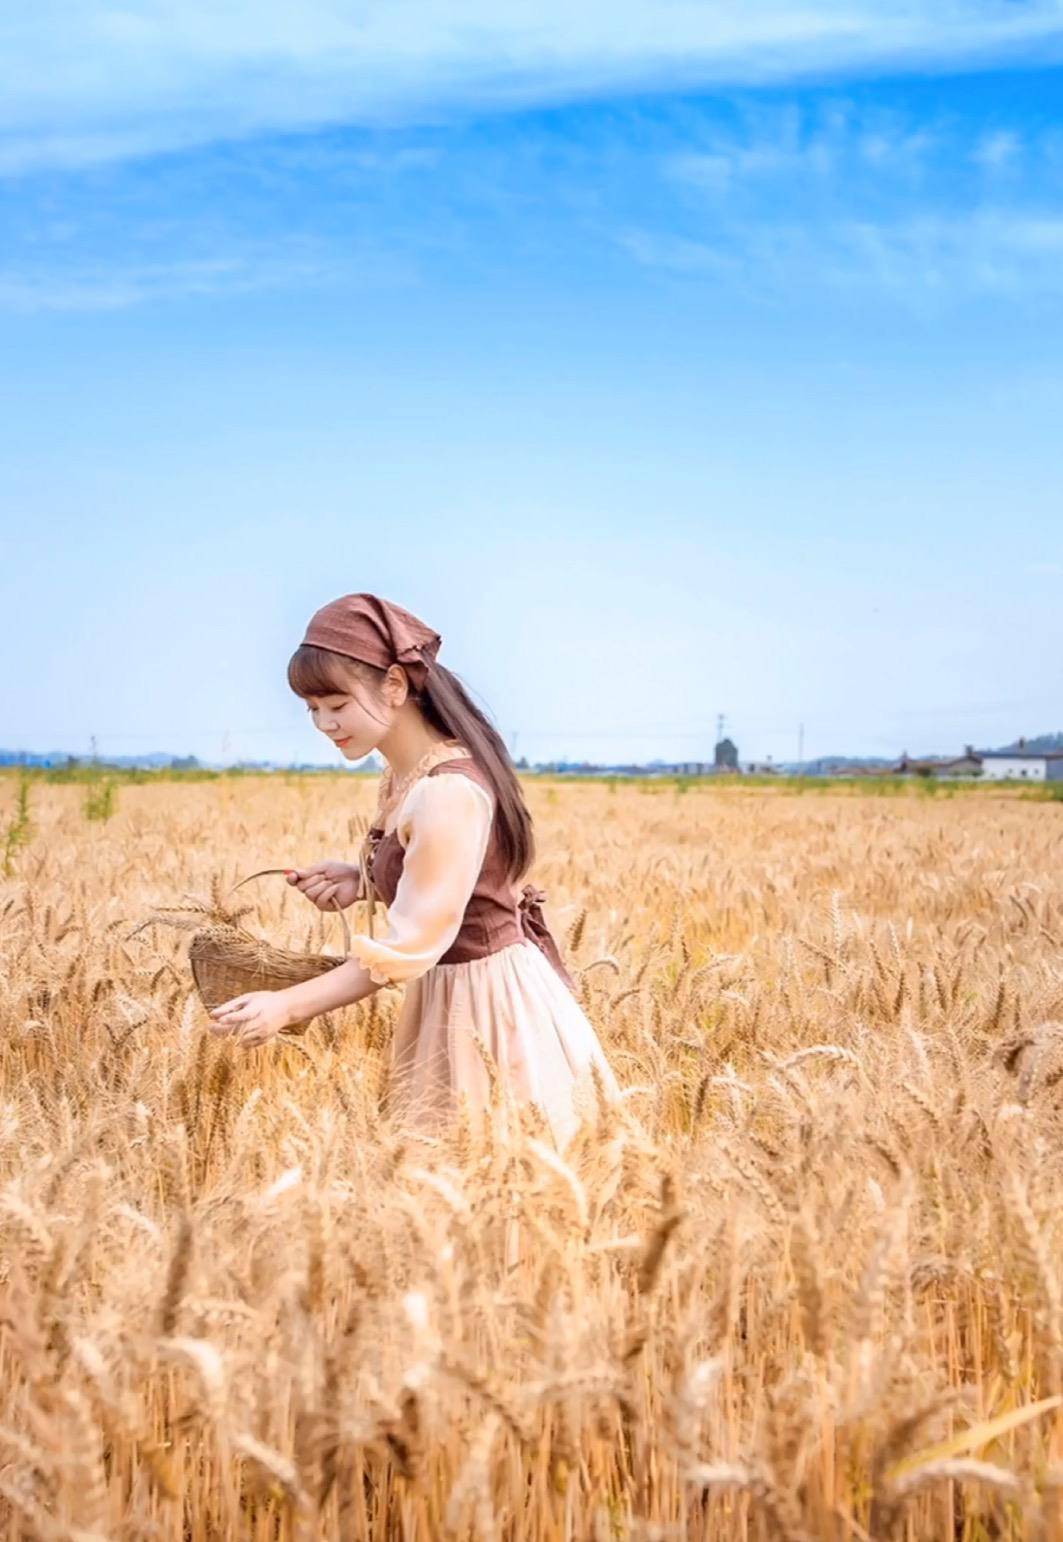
<point>252,1018</point>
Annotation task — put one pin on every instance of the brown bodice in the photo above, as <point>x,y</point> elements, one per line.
<point>495,917</point>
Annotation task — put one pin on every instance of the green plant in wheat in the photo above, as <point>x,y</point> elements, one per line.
<point>19,828</point>
<point>100,799</point>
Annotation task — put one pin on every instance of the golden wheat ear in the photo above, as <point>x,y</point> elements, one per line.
<point>190,914</point>
<point>176,918</point>
<point>262,873</point>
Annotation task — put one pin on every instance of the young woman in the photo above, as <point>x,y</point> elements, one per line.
<point>449,842</point>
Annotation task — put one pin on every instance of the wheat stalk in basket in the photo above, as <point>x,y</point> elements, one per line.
<point>227,960</point>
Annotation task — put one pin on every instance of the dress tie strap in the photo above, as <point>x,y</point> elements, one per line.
<point>535,928</point>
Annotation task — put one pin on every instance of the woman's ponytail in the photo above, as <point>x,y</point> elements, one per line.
<point>447,706</point>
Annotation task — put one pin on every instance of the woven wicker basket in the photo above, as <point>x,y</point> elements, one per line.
<point>228,961</point>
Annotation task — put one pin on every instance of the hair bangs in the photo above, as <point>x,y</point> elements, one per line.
<point>314,671</point>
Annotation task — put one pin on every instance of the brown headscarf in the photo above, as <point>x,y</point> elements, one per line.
<point>363,626</point>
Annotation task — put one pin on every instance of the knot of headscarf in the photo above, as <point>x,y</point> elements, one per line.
<point>376,631</point>
<point>533,922</point>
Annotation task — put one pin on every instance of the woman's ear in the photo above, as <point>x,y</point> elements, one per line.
<point>396,685</point>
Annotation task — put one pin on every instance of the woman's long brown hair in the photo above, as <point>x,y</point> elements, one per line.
<point>447,707</point>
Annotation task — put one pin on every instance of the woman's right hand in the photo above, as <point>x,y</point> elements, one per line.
<point>328,885</point>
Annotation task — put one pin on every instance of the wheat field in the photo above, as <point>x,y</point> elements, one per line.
<point>805,1282</point>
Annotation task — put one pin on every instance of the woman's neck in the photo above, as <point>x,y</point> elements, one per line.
<point>407,743</point>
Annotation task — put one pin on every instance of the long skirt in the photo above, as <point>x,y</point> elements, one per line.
<point>515,1003</point>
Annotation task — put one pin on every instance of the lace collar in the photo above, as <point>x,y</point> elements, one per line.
<point>392,793</point>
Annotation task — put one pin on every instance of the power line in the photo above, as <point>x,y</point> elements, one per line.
<point>286,729</point>
<point>641,731</point>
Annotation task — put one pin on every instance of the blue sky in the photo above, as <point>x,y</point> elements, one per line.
<point>668,360</point>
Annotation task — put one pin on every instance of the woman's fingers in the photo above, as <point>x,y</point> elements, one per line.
<point>233,1015</point>
<point>229,1006</point>
<point>241,1026</point>
<point>229,1024</point>
<point>321,884</point>
<point>303,875</point>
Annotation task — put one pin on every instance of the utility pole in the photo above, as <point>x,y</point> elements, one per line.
<point>720,720</point>
<point>226,742</point>
<point>92,741</point>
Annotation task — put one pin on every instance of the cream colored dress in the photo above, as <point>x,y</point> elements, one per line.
<point>513,1000</point>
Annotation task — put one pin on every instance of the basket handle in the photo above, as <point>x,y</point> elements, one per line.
<point>343,919</point>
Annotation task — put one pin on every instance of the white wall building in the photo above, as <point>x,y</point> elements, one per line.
<point>1022,765</point>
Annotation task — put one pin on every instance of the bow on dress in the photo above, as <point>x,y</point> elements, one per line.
<point>534,924</point>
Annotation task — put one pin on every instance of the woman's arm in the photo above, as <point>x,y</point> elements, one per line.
<point>340,987</point>
<point>446,825</point>
<point>445,828</point>
<point>257,1015</point>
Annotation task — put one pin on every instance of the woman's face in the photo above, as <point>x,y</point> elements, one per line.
<point>341,716</point>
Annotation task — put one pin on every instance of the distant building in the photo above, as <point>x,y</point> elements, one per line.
<point>1018,764</point>
<point>725,756</point>
<point>1022,764</point>
<point>967,764</point>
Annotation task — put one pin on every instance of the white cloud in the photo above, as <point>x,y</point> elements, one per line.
<point>120,284</point>
<point>842,195</point>
<point>917,259</point>
<point>677,254</point>
<point>79,83</point>
<point>826,143</point>
<point>997,149</point>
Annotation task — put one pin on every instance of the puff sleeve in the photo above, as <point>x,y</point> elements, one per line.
<point>444,829</point>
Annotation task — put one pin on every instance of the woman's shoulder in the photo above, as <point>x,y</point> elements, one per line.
<point>462,765</point>
<point>469,770</point>
<point>443,793</point>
